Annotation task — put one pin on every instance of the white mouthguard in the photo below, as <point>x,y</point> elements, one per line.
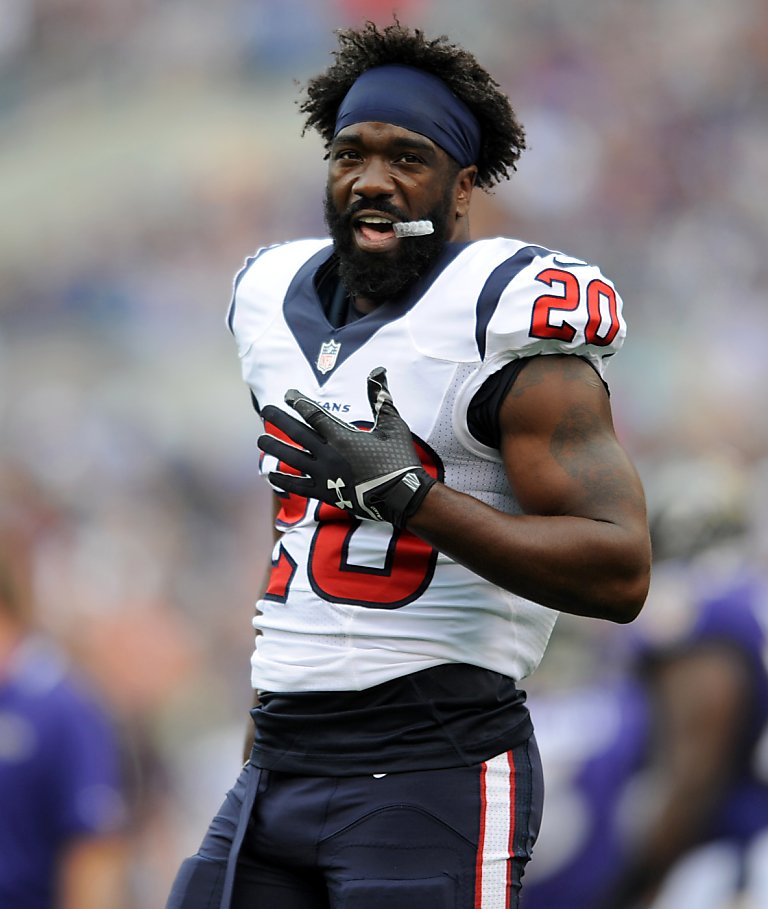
<point>413,228</point>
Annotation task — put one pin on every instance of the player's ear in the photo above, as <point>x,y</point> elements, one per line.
<point>465,183</point>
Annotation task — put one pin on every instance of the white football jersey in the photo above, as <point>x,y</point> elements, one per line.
<point>351,604</point>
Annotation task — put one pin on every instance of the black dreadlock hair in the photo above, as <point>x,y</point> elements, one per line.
<point>503,137</point>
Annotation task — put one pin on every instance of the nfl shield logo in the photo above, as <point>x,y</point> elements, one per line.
<point>326,359</point>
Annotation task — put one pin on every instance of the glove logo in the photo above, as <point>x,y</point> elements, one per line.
<point>337,485</point>
<point>411,481</point>
<point>326,359</point>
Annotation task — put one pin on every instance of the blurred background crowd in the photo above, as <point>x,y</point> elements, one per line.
<point>147,147</point>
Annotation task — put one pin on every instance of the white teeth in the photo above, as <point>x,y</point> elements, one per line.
<point>413,228</point>
<point>375,220</point>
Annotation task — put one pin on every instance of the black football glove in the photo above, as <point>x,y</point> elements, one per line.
<point>375,475</point>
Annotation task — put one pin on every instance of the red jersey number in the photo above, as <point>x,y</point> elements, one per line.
<point>406,570</point>
<point>549,322</point>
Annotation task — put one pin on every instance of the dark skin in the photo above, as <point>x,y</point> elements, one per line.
<point>582,546</point>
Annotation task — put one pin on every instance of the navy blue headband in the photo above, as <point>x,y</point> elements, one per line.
<point>416,100</point>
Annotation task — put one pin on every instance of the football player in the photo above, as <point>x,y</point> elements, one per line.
<point>63,808</point>
<point>438,434</point>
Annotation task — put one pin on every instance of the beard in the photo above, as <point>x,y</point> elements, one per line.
<point>385,276</point>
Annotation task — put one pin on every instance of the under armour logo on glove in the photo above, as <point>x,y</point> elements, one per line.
<point>338,486</point>
<point>379,470</point>
<point>411,481</point>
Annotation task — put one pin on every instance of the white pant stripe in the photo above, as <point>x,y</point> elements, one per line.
<point>496,833</point>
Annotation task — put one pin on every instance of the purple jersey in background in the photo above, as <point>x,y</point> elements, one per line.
<point>59,773</point>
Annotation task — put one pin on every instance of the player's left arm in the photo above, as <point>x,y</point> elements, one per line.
<point>582,545</point>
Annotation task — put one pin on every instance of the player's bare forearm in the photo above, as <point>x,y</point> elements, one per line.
<point>573,564</point>
<point>582,545</point>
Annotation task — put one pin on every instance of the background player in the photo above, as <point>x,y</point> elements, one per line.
<point>63,812</point>
<point>664,801</point>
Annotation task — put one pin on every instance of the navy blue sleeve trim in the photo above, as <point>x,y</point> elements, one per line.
<point>238,278</point>
<point>494,287</point>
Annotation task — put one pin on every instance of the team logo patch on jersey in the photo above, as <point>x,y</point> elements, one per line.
<point>326,359</point>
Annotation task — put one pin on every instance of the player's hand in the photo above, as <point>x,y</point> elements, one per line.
<point>375,475</point>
